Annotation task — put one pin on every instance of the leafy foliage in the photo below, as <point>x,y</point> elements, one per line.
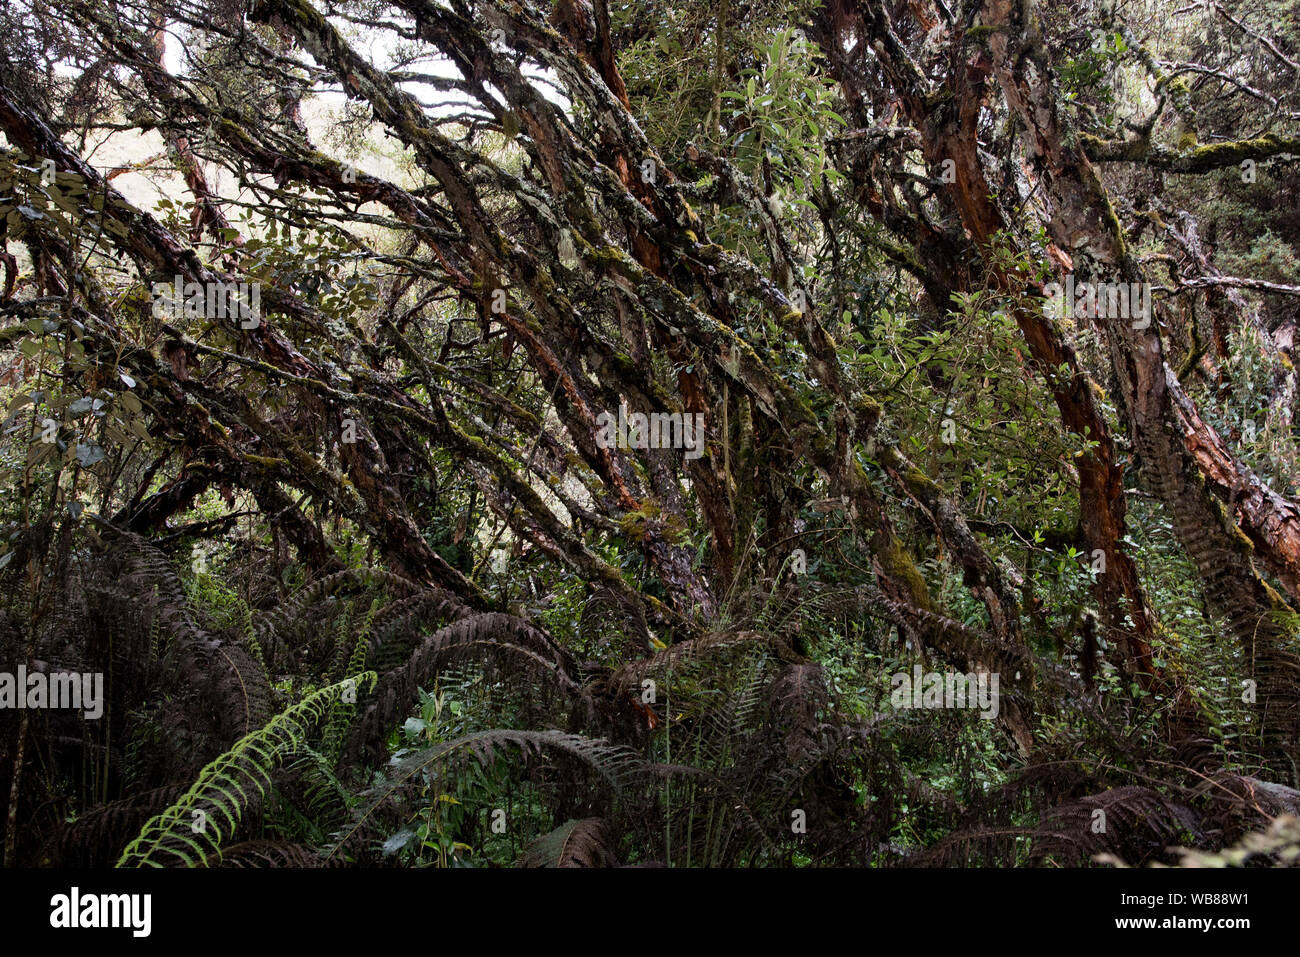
<point>211,809</point>
<point>828,231</point>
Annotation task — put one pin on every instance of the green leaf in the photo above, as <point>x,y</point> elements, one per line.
<point>89,454</point>
<point>252,758</point>
<point>398,841</point>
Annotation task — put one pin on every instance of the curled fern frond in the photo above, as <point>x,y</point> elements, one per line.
<point>489,636</point>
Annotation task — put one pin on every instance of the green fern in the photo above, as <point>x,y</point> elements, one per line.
<point>342,712</point>
<point>193,829</point>
<point>616,764</point>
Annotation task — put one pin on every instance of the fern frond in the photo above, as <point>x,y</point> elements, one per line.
<point>298,608</point>
<point>104,831</point>
<point>193,828</point>
<point>1130,823</point>
<point>1279,845</point>
<point>492,634</point>
<point>616,764</point>
<point>575,843</point>
<point>233,682</point>
<point>268,854</point>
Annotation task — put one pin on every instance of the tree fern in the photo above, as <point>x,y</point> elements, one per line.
<point>575,843</point>
<point>193,828</point>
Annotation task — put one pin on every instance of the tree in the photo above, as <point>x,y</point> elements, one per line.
<point>745,378</point>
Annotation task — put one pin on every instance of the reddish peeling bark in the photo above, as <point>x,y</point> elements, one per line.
<point>951,134</point>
